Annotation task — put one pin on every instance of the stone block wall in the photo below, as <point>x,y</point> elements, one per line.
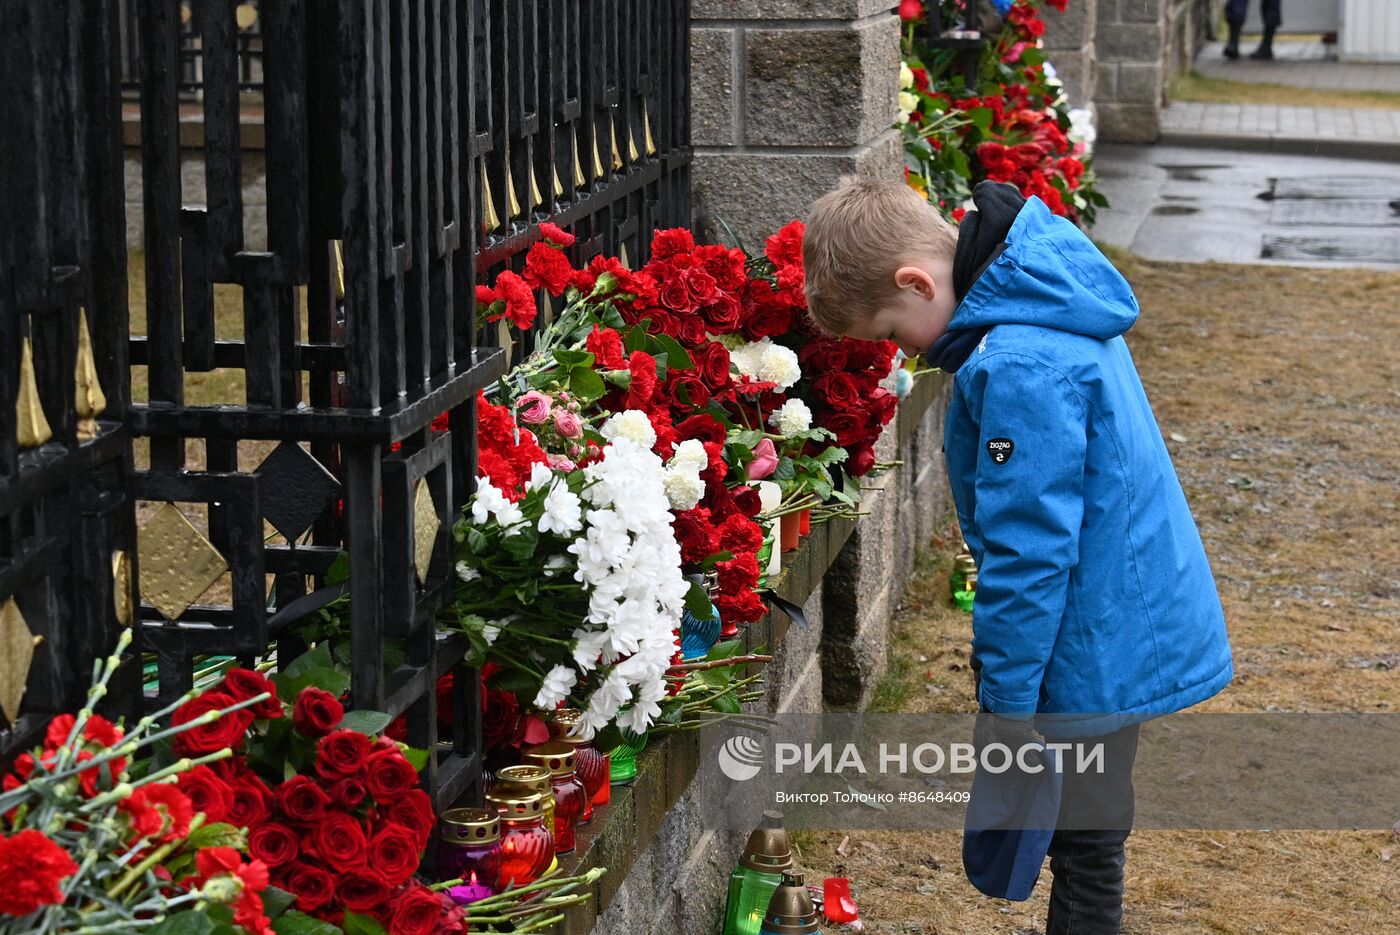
<point>788,96</point>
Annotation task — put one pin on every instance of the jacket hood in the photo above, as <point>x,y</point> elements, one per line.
<point>1050,275</point>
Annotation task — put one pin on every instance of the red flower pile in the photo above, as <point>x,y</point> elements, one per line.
<point>32,867</point>
<point>345,832</point>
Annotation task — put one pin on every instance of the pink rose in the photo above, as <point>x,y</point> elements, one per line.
<point>765,460</point>
<point>568,423</point>
<point>534,407</point>
<point>560,463</point>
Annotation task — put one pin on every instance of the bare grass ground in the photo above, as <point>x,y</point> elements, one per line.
<point>1278,390</point>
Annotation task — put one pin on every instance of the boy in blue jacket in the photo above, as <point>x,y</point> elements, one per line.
<point>1094,595</point>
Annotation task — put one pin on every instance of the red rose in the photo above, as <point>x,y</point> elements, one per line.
<point>416,912</point>
<point>314,887</point>
<point>274,843</point>
<point>861,460</point>
<point>747,500</point>
<point>242,684</point>
<point>301,799</point>
<point>690,329</point>
<point>768,319</point>
<point>224,732</point>
<point>249,799</point>
<point>348,792</point>
<point>605,345</point>
<point>676,296</point>
<point>703,426</point>
<point>838,389</point>
<point>317,712</point>
<point>499,713</point>
<point>823,355</point>
<point>712,362</point>
<point>723,314</point>
<point>341,753</point>
<point>696,534</point>
<point>688,390</point>
<point>360,891</point>
<point>389,775</point>
<point>207,793</point>
<point>32,867</point>
<point>394,854</point>
<point>849,427</point>
<point>339,839</point>
<point>412,810</point>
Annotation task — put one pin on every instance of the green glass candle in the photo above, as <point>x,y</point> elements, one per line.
<point>623,768</point>
<point>757,876</point>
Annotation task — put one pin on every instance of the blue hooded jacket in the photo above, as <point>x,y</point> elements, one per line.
<point>1094,594</point>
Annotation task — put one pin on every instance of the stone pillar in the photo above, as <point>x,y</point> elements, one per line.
<point>1069,42</point>
<point>788,96</point>
<point>1131,44</point>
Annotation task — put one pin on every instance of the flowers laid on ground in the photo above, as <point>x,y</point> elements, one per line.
<point>1014,125</point>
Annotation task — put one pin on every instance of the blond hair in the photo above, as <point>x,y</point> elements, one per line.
<point>857,235</point>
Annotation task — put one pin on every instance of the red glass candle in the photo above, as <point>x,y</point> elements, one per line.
<point>526,847</point>
<point>469,846</point>
<point>591,766</point>
<point>570,798</point>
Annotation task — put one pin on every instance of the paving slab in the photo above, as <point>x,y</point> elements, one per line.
<point>1301,65</point>
<point>1192,204</point>
<point>1274,128</point>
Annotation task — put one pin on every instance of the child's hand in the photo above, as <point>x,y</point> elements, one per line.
<point>1013,732</point>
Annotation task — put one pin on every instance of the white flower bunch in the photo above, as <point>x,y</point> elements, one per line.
<point>908,100</point>
<point>629,563</point>
<point>791,418</point>
<point>769,362</point>
<point>1081,127</point>
<point>681,477</point>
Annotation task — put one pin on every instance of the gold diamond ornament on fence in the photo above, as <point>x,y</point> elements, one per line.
<point>178,563</point>
<point>16,655</point>
<point>425,528</point>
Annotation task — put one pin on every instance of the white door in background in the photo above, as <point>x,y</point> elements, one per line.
<point>1370,31</point>
<point>1305,16</point>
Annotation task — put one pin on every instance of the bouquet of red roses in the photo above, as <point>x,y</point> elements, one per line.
<point>332,810</point>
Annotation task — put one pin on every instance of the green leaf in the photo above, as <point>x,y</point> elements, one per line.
<point>356,924</point>
<point>725,650</point>
<point>419,758</point>
<point>727,703</point>
<point>316,667</point>
<point>571,359</point>
<point>276,901</point>
<point>636,338</point>
<point>607,738</point>
<point>370,723</point>
<point>748,438</point>
<point>715,678</point>
<point>339,570</point>
<point>517,681</point>
<point>299,923</point>
<point>189,922</point>
<point>586,384</point>
<point>676,356</point>
<point>521,545</point>
<point>981,118</point>
<point>477,540</point>
<point>698,602</point>
<point>785,470</point>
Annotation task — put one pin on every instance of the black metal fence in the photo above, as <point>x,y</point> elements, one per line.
<point>411,147</point>
<point>247,36</point>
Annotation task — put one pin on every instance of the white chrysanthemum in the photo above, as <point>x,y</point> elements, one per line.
<point>691,451</point>
<point>467,573</point>
<point>563,513</point>
<point>555,689</point>
<point>1081,127</point>
<point>906,76</point>
<point>791,417</point>
<point>554,565</point>
<point>540,475</point>
<point>492,628</point>
<point>684,488</point>
<point>631,424</point>
<point>908,101</point>
<point>778,364</point>
<point>489,502</point>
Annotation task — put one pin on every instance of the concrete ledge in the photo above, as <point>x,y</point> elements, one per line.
<point>1291,144</point>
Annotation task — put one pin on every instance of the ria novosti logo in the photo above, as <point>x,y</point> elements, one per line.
<point>741,757</point>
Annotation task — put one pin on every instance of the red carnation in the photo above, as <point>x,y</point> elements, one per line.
<point>785,247</point>
<point>388,775</point>
<point>642,386</point>
<point>317,712</point>
<point>339,839</point>
<point>605,345</point>
<point>556,234</point>
<point>159,810</point>
<point>696,534</point>
<point>224,732</point>
<point>274,843</point>
<point>547,268</point>
<point>738,533</point>
<point>301,799</point>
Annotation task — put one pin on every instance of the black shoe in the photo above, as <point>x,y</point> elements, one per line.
<point>1232,52</point>
<point>1262,54</point>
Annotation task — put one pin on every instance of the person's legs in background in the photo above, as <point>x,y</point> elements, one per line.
<point>1235,11</point>
<point>1273,19</point>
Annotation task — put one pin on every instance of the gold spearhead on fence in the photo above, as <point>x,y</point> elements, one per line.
<point>558,185</point>
<point>580,179</point>
<point>536,197</point>
<point>512,203</point>
<point>89,401</point>
<point>32,427</point>
<point>616,153</point>
<point>488,205</point>
<point>646,127</point>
